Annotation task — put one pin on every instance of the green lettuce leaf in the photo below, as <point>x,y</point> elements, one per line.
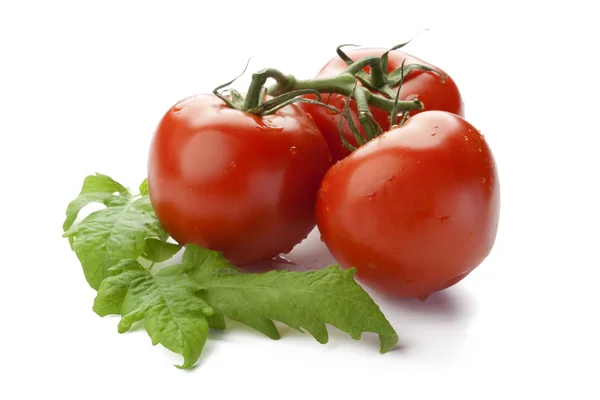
<point>144,188</point>
<point>167,302</point>
<point>96,189</point>
<point>107,236</point>
<point>301,300</point>
<point>156,250</point>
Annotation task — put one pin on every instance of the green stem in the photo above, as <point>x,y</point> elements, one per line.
<point>377,75</point>
<point>253,96</point>
<point>340,84</point>
<point>255,91</point>
<point>358,65</point>
<point>364,112</point>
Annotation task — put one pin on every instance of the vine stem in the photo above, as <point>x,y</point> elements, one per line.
<point>341,84</point>
<point>253,97</point>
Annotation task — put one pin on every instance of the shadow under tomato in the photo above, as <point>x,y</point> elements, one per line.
<point>276,263</point>
<point>435,328</point>
<point>452,303</point>
<point>309,255</point>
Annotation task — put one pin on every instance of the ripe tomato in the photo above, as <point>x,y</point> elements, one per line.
<point>429,87</point>
<point>234,182</point>
<point>414,210</point>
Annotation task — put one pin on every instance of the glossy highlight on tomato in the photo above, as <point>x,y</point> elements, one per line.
<point>414,210</point>
<point>235,182</point>
<point>429,87</point>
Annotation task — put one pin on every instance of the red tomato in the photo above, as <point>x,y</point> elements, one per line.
<point>234,182</point>
<point>435,93</point>
<point>414,210</point>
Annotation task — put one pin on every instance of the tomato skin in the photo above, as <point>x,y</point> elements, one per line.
<point>435,93</point>
<point>414,210</point>
<point>237,183</point>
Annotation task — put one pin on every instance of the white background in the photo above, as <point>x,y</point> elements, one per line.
<point>82,86</point>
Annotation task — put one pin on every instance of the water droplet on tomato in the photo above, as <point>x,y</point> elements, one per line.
<point>233,165</point>
<point>176,109</point>
<point>466,137</point>
<point>480,150</point>
<point>294,150</point>
<point>491,164</point>
<point>265,127</point>
<point>370,196</point>
<point>395,126</point>
<point>483,180</point>
<point>443,218</point>
<point>435,127</point>
<point>433,134</point>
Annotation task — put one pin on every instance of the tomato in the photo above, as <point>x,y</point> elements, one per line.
<point>435,93</point>
<point>234,182</point>
<point>414,210</point>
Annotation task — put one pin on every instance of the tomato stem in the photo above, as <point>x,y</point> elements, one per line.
<point>287,87</point>
<point>346,114</point>
<point>365,117</point>
<point>341,84</point>
<point>256,89</point>
<point>357,66</point>
<point>394,116</point>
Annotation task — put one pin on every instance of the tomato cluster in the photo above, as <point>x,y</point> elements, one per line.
<point>414,209</point>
